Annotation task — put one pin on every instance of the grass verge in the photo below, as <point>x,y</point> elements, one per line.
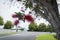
<point>9,33</point>
<point>46,37</point>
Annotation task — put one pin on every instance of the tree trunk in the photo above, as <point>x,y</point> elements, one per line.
<point>53,15</point>
<point>16,28</point>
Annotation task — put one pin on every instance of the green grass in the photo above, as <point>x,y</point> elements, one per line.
<point>5,34</point>
<point>46,37</point>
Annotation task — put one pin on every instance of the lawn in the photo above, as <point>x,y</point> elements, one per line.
<point>46,37</point>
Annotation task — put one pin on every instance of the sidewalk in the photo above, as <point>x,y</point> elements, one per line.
<point>5,32</point>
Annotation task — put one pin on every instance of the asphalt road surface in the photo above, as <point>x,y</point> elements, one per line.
<point>23,36</point>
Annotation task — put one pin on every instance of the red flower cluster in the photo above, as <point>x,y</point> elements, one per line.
<point>29,18</point>
<point>16,22</point>
<point>14,15</point>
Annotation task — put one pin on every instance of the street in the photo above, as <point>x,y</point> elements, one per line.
<point>23,36</point>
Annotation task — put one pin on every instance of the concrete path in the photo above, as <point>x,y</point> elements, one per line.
<point>23,36</point>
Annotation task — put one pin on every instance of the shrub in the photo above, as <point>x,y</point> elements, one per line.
<point>8,25</point>
<point>33,27</point>
<point>46,37</point>
<point>22,29</point>
<point>1,21</point>
<point>42,27</point>
<point>45,28</point>
<point>49,28</point>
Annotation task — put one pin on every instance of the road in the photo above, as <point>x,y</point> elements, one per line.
<point>23,36</point>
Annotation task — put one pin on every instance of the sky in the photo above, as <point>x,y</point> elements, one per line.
<point>7,9</point>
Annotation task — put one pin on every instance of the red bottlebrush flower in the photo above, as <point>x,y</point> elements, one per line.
<point>29,18</point>
<point>22,10</point>
<point>14,15</point>
<point>16,22</point>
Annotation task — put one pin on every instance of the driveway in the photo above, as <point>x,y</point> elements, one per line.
<point>23,36</point>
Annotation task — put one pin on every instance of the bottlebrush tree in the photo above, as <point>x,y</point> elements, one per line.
<point>19,16</point>
<point>23,17</point>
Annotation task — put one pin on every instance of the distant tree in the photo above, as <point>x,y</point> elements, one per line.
<point>8,25</point>
<point>1,21</point>
<point>42,27</point>
<point>33,27</point>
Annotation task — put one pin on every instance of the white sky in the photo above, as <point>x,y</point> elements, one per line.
<point>7,9</point>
